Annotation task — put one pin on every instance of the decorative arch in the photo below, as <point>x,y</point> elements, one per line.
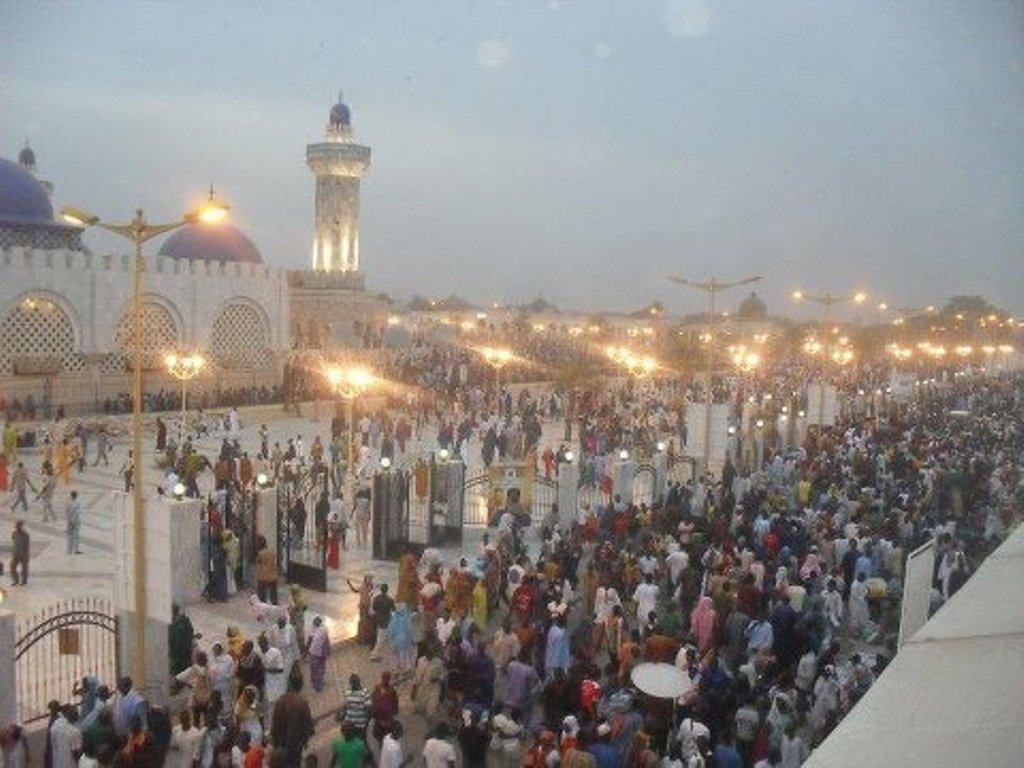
<point>161,331</point>
<point>240,337</point>
<point>39,336</point>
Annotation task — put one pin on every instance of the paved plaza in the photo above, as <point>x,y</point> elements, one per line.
<point>56,575</point>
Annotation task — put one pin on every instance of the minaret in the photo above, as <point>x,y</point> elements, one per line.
<point>339,164</point>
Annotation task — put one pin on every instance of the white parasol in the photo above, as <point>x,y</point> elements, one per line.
<point>663,681</point>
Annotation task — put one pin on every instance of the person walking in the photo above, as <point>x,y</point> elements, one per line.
<point>46,492</point>
<point>102,444</point>
<point>292,722</point>
<point>127,470</point>
<point>19,554</point>
<point>20,484</point>
<point>361,515</point>
<point>73,516</point>
<point>319,650</point>
<point>266,571</point>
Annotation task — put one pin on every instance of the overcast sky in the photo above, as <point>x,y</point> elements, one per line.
<point>580,150</point>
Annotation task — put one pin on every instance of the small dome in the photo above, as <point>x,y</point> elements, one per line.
<point>23,200</point>
<point>341,114</point>
<point>211,242</point>
<point>753,308</point>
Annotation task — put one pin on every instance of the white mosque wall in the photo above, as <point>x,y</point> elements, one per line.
<point>237,313</point>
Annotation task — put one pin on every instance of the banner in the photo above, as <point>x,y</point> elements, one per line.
<point>917,591</point>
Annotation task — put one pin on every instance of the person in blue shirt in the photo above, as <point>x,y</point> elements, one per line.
<point>605,754</point>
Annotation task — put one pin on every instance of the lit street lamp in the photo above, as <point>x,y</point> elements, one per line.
<point>841,356</point>
<point>635,365</point>
<point>497,358</point>
<point>140,231</point>
<point>184,368</point>
<point>712,288</point>
<point>349,384</point>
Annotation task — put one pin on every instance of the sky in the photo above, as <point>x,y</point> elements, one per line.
<point>581,151</point>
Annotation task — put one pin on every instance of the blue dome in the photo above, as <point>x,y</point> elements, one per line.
<point>23,200</point>
<point>212,242</point>
<point>341,114</point>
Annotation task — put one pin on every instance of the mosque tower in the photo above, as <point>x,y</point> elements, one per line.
<point>339,164</point>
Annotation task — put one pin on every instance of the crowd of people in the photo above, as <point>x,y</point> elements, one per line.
<point>772,587</point>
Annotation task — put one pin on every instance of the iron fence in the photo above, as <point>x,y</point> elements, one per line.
<point>57,646</point>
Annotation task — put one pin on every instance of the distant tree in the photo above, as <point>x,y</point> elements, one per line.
<point>456,303</point>
<point>968,305</point>
<point>419,304</point>
<point>538,305</point>
<point>651,310</point>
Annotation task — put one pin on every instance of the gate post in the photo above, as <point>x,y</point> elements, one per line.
<point>623,473</point>
<point>266,516</point>
<point>160,587</point>
<point>8,670</point>
<point>660,462</point>
<point>568,495</point>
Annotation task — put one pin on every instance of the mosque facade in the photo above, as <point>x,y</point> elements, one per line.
<point>65,312</point>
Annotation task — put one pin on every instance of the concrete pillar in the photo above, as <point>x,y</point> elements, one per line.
<point>8,670</point>
<point>266,516</point>
<point>160,568</point>
<point>568,494</point>
<point>623,473</point>
<point>188,571</point>
<point>660,462</point>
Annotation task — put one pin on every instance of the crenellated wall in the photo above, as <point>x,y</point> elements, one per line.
<point>96,292</point>
<point>68,312</point>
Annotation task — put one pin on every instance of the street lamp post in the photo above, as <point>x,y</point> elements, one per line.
<point>712,288</point>
<point>140,231</point>
<point>827,301</point>
<point>497,358</point>
<point>183,367</point>
<point>349,383</point>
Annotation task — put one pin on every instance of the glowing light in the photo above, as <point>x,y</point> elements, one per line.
<point>860,297</point>
<point>349,382</point>
<point>623,455</point>
<point>385,462</point>
<point>78,217</point>
<point>497,356</point>
<point>569,456</point>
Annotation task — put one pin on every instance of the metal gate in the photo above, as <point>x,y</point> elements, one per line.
<point>446,499</point>
<point>481,499</point>
<point>390,515</point>
<point>57,647</point>
<point>644,480</point>
<point>545,493</point>
<point>301,545</point>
